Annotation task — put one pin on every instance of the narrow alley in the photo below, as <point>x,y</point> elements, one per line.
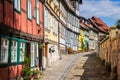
<point>88,67</point>
<point>82,66</point>
<point>59,40</point>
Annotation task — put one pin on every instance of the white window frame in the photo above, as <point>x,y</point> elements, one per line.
<point>45,18</point>
<point>17,5</point>
<point>37,12</point>
<point>56,26</point>
<point>53,24</point>
<point>37,54</point>
<point>14,45</point>
<point>48,20</point>
<point>32,55</point>
<point>4,50</point>
<point>22,52</point>
<point>29,9</point>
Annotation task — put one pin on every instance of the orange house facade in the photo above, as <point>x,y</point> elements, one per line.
<point>21,32</point>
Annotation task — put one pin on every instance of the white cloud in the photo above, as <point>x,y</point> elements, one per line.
<point>100,8</point>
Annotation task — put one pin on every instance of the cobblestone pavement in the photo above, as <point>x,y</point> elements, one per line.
<point>88,67</point>
<point>60,69</point>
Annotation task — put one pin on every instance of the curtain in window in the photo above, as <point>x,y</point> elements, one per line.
<point>14,51</point>
<point>4,50</point>
<point>32,55</point>
<point>37,12</point>
<point>29,9</point>
<point>22,52</point>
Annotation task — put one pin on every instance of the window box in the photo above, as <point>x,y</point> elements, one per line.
<point>42,45</point>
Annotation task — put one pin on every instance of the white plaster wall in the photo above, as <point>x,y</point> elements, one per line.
<point>44,62</point>
<point>52,57</point>
<point>62,45</point>
<point>75,48</point>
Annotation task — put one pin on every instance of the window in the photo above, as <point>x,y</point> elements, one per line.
<point>17,4</point>
<point>29,9</point>
<point>48,20</point>
<point>32,55</point>
<point>22,52</point>
<point>4,50</point>
<point>14,51</point>
<point>36,55</point>
<point>53,24</point>
<point>45,18</point>
<point>37,12</point>
<point>55,27</point>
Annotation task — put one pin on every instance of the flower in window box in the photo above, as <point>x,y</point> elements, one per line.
<point>42,45</point>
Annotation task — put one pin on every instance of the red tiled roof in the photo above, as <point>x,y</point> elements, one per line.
<point>100,28</point>
<point>83,25</point>
<point>100,22</point>
<point>89,25</point>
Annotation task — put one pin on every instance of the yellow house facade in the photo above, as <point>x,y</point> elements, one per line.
<point>81,40</point>
<point>51,22</point>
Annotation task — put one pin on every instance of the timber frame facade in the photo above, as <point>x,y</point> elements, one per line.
<point>21,33</point>
<point>51,35</point>
<point>72,29</point>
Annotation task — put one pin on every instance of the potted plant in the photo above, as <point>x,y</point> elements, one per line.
<point>42,45</point>
<point>70,50</point>
<point>36,74</point>
<point>26,71</point>
<point>29,74</point>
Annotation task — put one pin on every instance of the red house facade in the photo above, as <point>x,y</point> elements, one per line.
<point>21,32</point>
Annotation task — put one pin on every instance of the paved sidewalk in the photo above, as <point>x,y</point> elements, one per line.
<point>60,69</point>
<point>88,67</point>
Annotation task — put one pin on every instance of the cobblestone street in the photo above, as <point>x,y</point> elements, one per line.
<point>88,67</point>
<point>82,66</point>
<point>60,69</point>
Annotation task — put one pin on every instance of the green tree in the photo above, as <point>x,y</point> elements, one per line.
<point>118,24</point>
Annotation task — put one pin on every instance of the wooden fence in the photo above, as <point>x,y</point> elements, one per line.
<point>109,52</point>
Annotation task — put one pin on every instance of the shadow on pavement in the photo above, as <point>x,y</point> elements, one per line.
<point>88,67</point>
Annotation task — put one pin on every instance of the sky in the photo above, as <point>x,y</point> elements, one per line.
<point>107,10</point>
